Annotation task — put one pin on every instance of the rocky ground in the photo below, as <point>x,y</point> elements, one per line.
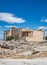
<point>39,61</point>
<point>23,49</point>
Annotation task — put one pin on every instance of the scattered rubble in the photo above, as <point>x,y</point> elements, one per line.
<point>22,48</point>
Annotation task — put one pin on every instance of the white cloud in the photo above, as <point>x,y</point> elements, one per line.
<point>44,20</point>
<point>9,26</point>
<point>42,27</point>
<point>1,34</point>
<point>10,18</point>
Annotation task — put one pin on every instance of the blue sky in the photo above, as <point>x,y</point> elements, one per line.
<point>23,13</point>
